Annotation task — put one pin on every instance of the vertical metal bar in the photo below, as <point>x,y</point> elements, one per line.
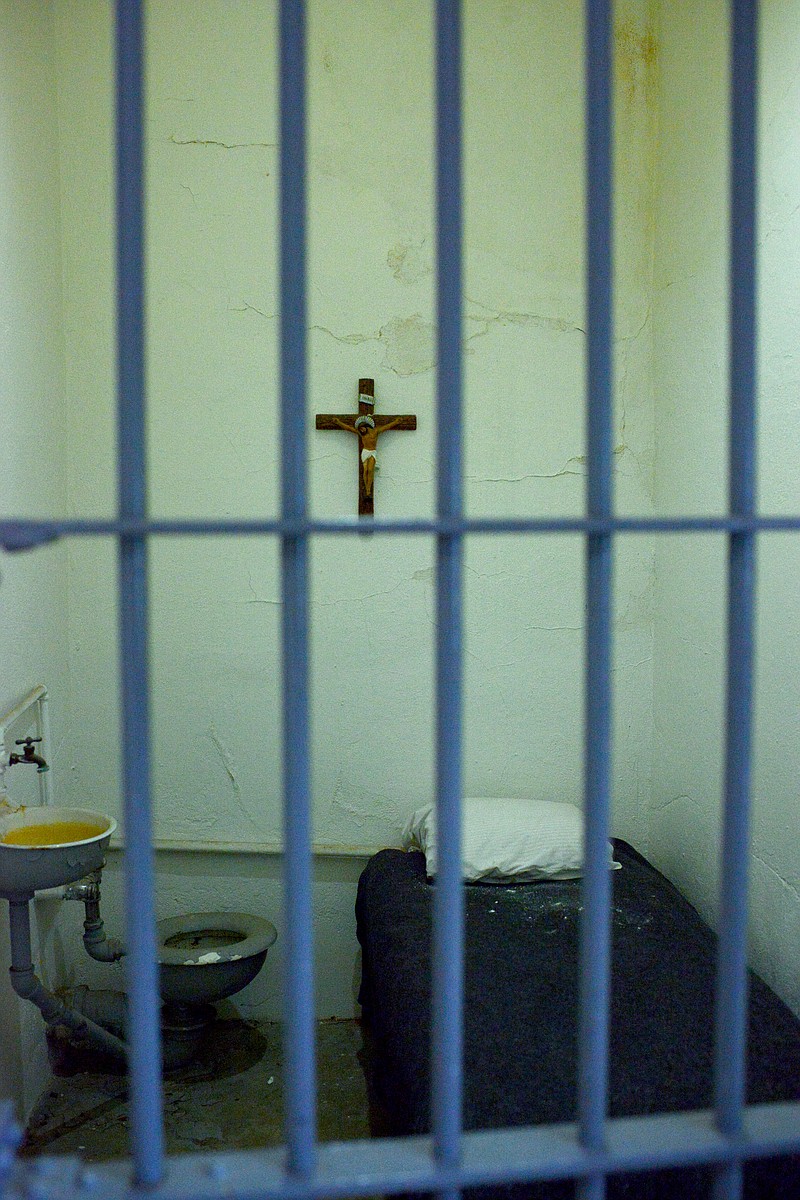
<point>300,1099</point>
<point>595,927</point>
<point>142,970</point>
<point>731,993</point>
<point>448,928</point>
<point>10,1138</point>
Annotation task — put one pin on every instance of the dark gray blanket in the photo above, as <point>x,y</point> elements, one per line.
<point>521,1027</point>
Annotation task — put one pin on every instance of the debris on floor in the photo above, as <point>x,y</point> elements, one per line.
<point>229,1098</point>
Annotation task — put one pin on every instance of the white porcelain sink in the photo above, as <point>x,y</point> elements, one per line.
<point>51,846</point>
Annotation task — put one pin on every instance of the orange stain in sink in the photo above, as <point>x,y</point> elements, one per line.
<point>57,833</point>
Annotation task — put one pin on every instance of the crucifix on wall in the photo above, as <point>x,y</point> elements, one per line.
<point>367,425</point>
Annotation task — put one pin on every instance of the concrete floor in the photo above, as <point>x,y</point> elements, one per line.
<point>229,1098</point>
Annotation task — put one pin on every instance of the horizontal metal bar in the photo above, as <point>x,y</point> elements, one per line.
<point>27,534</point>
<point>267,849</point>
<point>386,1166</point>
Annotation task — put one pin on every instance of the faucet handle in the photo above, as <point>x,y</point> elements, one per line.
<point>28,741</point>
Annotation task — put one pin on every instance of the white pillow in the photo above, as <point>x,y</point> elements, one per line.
<point>513,841</point>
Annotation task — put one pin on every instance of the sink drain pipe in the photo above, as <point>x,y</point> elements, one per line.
<point>28,986</point>
<point>97,943</point>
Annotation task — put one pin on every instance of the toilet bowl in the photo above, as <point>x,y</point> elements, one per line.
<point>204,957</point>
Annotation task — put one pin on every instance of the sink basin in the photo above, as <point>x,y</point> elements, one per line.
<point>44,847</point>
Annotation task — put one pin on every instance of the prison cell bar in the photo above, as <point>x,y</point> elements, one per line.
<point>142,969</point>
<point>298,980</point>
<point>731,988</point>
<point>595,920</point>
<point>20,534</point>
<point>144,1035</point>
<point>447,983</point>
<point>388,1166</point>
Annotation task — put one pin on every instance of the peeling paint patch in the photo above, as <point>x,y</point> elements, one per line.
<point>360,805</point>
<point>425,575</point>
<point>409,343</point>
<point>408,263</point>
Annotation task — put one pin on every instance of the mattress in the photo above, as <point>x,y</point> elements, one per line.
<point>520,1045</point>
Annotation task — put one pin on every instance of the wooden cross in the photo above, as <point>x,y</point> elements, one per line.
<point>368,427</point>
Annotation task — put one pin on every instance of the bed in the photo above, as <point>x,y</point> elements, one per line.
<point>520,1049</point>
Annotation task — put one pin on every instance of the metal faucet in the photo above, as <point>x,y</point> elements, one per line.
<point>28,755</point>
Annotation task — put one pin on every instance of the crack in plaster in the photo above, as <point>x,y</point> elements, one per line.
<point>367,619</point>
<point>578,459</point>
<point>581,458</point>
<point>681,796</point>
<point>521,320</point>
<point>631,666</point>
<point>222,145</point>
<point>233,447</point>
<point>226,758</point>
<point>626,342</point>
<point>347,339</point>
<point>256,598</point>
<point>228,762</point>
<point>245,307</point>
<point>408,343</point>
<point>791,887</point>
<point>780,225</point>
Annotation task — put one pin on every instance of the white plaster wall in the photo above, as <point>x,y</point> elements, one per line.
<point>691,473</point>
<point>214,420</point>
<point>33,616</point>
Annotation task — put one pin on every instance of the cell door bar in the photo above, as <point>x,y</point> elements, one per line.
<point>595,929</point>
<point>298,976</point>
<point>448,907</point>
<point>144,1034</point>
<point>731,993</point>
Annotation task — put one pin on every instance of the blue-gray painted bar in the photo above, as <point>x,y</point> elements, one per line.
<point>10,1138</point>
<point>24,534</point>
<point>595,923</point>
<point>146,1117</point>
<point>731,990</point>
<point>298,975</point>
<point>388,1166</point>
<point>448,917</point>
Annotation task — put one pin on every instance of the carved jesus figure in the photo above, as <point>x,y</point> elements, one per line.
<point>368,426</point>
<point>368,432</point>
